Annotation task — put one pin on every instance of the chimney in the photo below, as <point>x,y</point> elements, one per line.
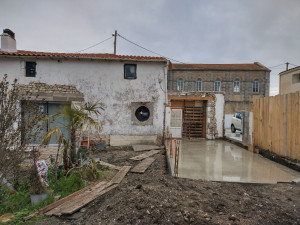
<point>8,42</point>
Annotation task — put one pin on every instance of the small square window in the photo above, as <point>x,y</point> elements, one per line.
<point>130,71</point>
<point>30,69</point>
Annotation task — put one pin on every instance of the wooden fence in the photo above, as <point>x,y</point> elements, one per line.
<point>277,124</point>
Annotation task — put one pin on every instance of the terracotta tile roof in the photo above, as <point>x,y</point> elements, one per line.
<point>81,55</point>
<point>253,66</point>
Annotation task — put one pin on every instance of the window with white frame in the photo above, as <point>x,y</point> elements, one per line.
<point>180,84</point>
<point>198,85</point>
<point>236,86</point>
<point>255,86</point>
<point>217,85</point>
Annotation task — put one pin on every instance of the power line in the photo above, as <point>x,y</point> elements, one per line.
<point>94,45</point>
<point>293,64</point>
<point>148,49</point>
<point>276,66</point>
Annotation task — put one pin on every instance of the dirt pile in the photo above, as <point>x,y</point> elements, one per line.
<point>157,198</point>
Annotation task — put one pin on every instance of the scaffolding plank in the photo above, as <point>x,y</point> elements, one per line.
<point>143,166</point>
<point>120,175</point>
<point>145,155</point>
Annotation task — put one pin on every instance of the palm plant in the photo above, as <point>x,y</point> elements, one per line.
<point>76,117</point>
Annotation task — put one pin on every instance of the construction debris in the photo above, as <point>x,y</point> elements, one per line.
<point>139,148</point>
<point>143,166</point>
<point>145,155</point>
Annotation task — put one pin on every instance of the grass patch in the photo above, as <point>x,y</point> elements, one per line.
<point>19,203</point>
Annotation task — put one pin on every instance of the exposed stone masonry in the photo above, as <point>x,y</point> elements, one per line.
<point>56,92</point>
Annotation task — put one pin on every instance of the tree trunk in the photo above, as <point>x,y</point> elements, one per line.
<point>73,144</point>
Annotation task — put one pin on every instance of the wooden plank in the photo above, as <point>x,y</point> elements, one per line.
<point>80,201</point>
<point>143,166</point>
<point>57,209</point>
<point>145,155</point>
<point>120,175</point>
<point>297,132</point>
<point>138,148</point>
<point>67,198</point>
<point>110,165</point>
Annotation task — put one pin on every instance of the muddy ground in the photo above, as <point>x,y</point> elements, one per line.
<point>158,198</point>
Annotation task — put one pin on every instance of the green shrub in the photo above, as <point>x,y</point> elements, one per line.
<point>15,202</point>
<point>64,186</point>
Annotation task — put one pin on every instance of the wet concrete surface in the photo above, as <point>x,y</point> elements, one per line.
<point>237,136</point>
<point>219,160</point>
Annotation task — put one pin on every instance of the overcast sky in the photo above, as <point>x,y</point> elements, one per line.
<point>191,31</point>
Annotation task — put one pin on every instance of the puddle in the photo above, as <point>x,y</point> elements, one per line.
<point>219,160</point>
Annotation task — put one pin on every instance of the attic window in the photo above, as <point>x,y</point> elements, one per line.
<point>30,69</point>
<point>130,71</point>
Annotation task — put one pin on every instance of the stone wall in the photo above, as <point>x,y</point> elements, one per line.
<point>241,100</point>
<point>56,92</point>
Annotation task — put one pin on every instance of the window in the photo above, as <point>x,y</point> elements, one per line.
<point>255,86</point>
<point>130,71</point>
<point>142,113</point>
<point>30,69</point>
<point>296,78</point>
<point>217,86</point>
<point>180,84</point>
<point>198,85</point>
<point>236,86</point>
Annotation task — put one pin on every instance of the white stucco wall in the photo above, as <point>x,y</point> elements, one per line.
<point>103,81</point>
<point>220,101</point>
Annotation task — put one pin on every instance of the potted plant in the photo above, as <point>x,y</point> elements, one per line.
<point>37,189</point>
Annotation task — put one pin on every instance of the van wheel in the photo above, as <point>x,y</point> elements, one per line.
<point>232,128</point>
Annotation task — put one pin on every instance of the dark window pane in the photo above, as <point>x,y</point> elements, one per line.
<point>30,69</point>
<point>130,71</point>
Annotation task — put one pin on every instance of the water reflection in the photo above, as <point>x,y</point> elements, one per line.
<point>219,160</point>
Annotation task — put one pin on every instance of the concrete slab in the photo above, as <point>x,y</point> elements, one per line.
<point>138,148</point>
<point>237,136</point>
<point>219,160</point>
<point>126,140</point>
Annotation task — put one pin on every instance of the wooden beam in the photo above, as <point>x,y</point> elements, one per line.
<point>191,98</point>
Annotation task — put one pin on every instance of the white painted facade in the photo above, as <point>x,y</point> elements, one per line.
<point>102,80</point>
<point>220,104</point>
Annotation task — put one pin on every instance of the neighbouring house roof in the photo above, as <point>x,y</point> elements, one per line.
<point>253,66</point>
<point>290,70</point>
<point>105,56</point>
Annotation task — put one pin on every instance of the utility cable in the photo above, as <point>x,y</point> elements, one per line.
<point>293,64</point>
<point>148,49</point>
<point>94,45</point>
<point>277,65</point>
